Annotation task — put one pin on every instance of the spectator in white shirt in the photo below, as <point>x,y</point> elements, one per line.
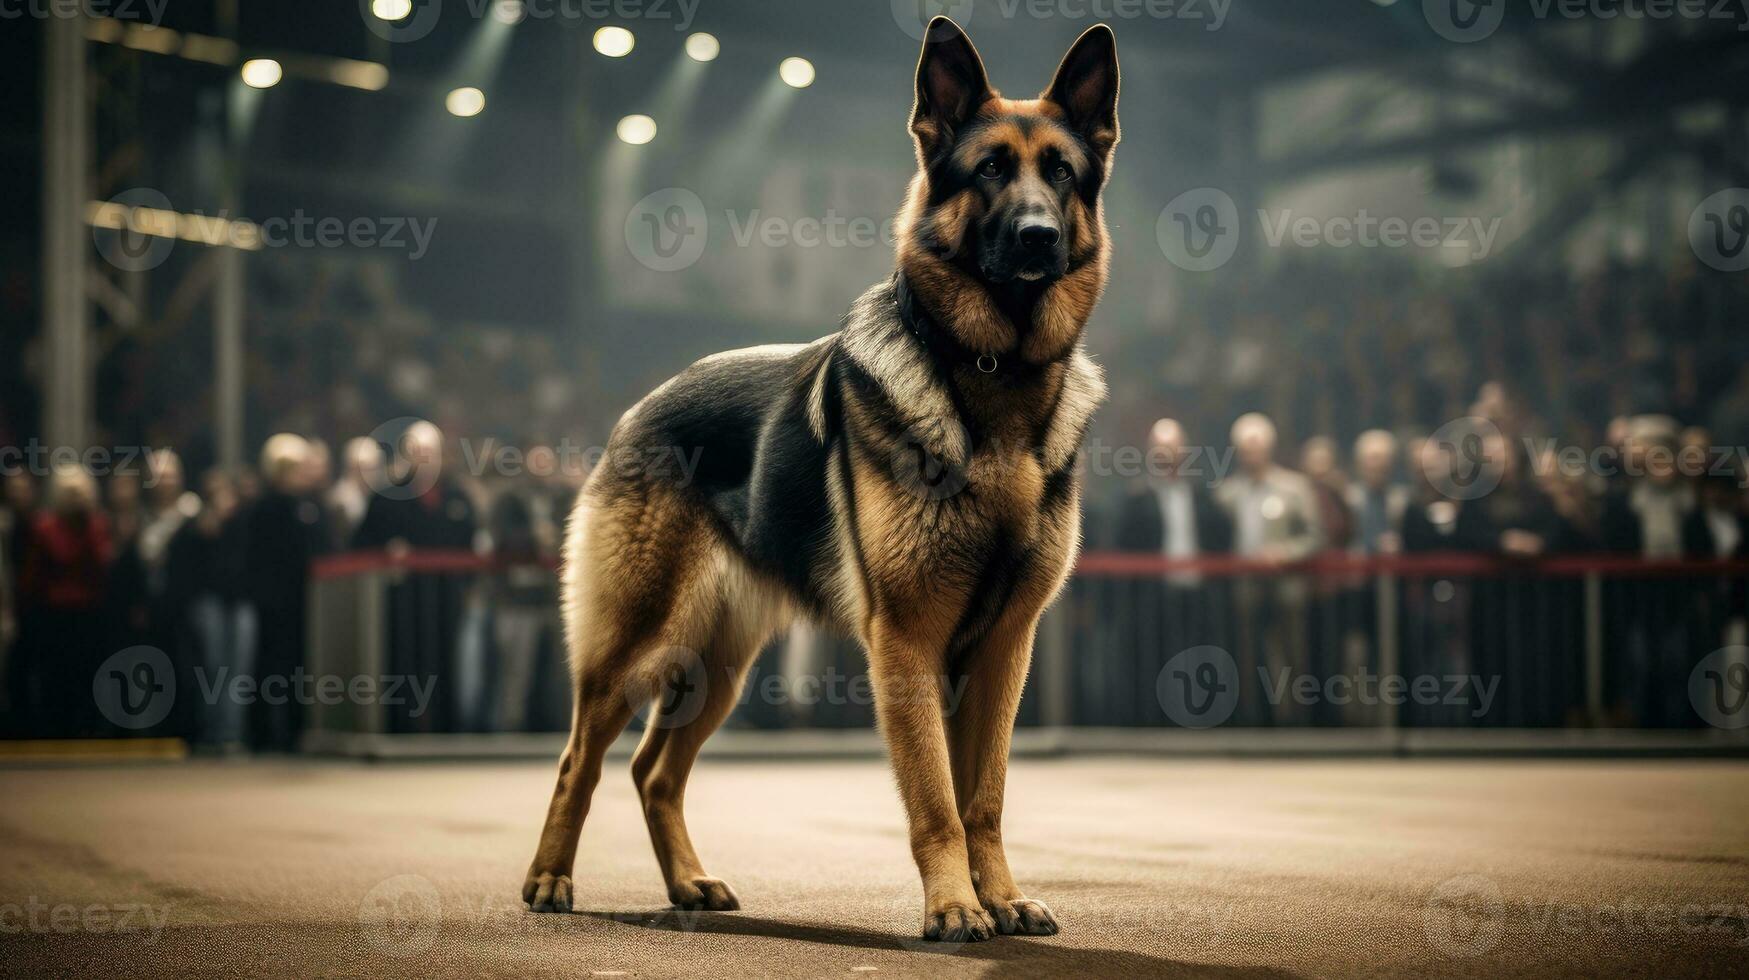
<point>1275,516</point>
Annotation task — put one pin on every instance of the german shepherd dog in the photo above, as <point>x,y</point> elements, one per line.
<point>910,479</point>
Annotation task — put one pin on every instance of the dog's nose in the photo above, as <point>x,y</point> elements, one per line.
<point>1037,233</point>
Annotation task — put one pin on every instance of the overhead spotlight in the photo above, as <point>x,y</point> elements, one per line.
<point>510,12</point>
<point>262,73</point>
<point>796,72</point>
<point>703,47</point>
<point>615,42</point>
<point>637,130</point>
<point>465,102</point>
<point>391,10</point>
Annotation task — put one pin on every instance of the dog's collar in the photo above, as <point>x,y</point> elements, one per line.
<point>944,346</point>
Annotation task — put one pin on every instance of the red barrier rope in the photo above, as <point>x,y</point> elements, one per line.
<point>352,563</point>
<point>1119,564</point>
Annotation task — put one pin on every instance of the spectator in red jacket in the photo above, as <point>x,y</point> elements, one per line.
<point>61,580</point>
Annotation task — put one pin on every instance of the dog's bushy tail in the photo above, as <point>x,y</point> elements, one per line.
<point>574,580</point>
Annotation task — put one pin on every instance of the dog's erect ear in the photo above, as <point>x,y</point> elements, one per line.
<point>1086,87</point>
<point>951,85</point>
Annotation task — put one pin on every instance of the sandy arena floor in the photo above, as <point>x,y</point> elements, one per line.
<point>1154,868</point>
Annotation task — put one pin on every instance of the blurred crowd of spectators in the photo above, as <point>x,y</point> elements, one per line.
<point>1482,484</point>
<point>1481,487</point>
<point>217,576</point>
<point>1507,413</point>
<point>1380,383</point>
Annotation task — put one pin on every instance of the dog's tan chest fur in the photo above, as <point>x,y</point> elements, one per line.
<point>927,549</point>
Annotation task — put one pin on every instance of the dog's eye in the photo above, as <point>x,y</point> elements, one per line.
<point>990,169</point>
<point>1061,173</point>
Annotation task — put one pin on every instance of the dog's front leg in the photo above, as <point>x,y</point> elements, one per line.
<point>907,687</point>
<point>980,726</point>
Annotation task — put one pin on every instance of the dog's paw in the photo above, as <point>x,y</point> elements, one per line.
<point>547,892</point>
<point>1023,917</point>
<point>958,924</point>
<point>703,894</point>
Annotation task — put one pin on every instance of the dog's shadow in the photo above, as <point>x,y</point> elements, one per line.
<point>1021,954</point>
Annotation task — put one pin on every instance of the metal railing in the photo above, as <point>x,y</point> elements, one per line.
<point>1447,640</point>
<point>1385,644</point>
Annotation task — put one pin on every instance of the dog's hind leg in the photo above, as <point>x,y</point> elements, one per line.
<point>660,769</point>
<point>600,715</point>
<point>684,718</point>
<point>623,561</point>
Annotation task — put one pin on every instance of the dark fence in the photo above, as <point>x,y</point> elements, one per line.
<point>1430,641</point>
<point>1136,641</point>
